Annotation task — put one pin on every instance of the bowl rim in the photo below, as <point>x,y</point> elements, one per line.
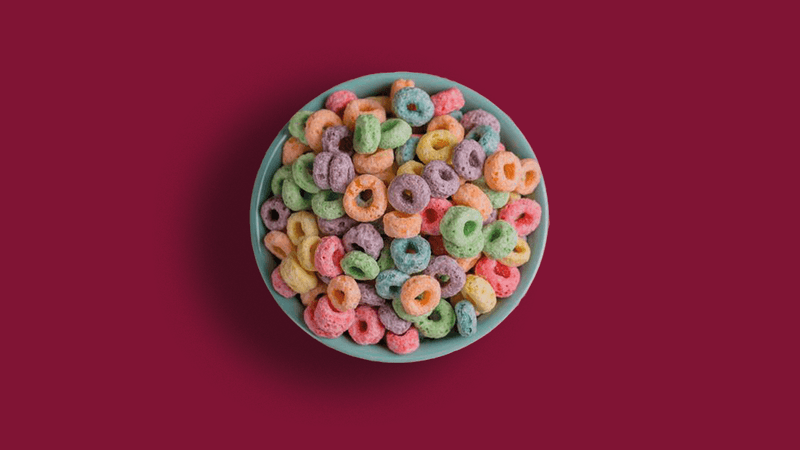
<point>388,356</point>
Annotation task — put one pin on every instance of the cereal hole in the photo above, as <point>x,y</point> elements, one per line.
<point>495,235</point>
<point>280,253</point>
<point>431,216</point>
<point>474,161</point>
<point>502,271</point>
<point>338,295</point>
<point>435,316</point>
<point>529,177</point>
<point>439,144</point>
<point>443,278</point>
<point>357,272</point>
<point>412,107</point>
<point>445,175</point>
<point>408,196</point>
<point>470,228</point>
<point>362,326</point>
<point>273,215</point>
<point>509,171</point>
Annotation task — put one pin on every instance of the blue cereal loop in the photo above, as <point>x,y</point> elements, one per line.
<point>411,262</point>
<point>486,136</point>
<point>466,319</point>
<point>417,99</point>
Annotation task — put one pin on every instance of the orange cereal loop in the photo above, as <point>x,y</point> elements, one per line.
<point>399,84</point>
<point>470,195</point>
<point>365,198</point>
<point>316,124</point>
<point>279,244</point>
<point>386,176</point>
<point>343,293</point>
<point>292,149</point>
<point>502,171</point>
<point>362,106</point>
<point>531,174</point>
<point>384,101</point>
<point>397,224</point>
<point>373,163</point>
<point>314,294</point>
<point>420,294</point>
<point>449,123</point>
<point>468,263</point>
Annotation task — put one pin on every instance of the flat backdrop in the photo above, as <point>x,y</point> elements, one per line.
<point>135,313</point>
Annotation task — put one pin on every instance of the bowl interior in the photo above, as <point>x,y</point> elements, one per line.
<point>379,84</point>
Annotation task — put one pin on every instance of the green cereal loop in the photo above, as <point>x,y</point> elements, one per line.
<point>499,239</point>
<point>297,125</point>
<point>367,134</point>
<point>401,313</point>
<point>327,205</point>
<point>385,261</point>
<point>302,175</point>
<point>461,224</point>
<point>360,266</point>
<point>468,250</point>
<point>282,174</point>
<point>498,199</point>
<point>439,322</point>
<point>295,198</point>
<point>394,133</point>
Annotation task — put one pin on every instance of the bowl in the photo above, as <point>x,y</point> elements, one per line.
<point>379,84</point>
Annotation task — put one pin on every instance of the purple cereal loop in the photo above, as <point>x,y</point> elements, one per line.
<point>441,179</point>
<point>492,217</point>
<point>477,117</point>
<point>365,238</point>
<point>445,265</point>
<point>335,227</point>
<point>369,296</point>
<point>391,321</point>
<point>338,139</point>
<point>341,172</point>
<point>420,193</point>
<point>322,164</point>
<point>275,214</point>
<point>468,159</point>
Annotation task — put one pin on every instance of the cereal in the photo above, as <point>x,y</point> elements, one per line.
<point>461,224</point>
<point>360,266</point>
<point>437,245</point>
<point>300,225</point>
<point>519,255</point>
<point>524,215</point>
<point>468,159</point>
<point>327,205</point>
<point>295,198</point>
<point>281,175</point>
<point>439,323</point>
<point>448,123</point>
<point>413,105</point>
<point>297,125</point>
<point>343,292</point>
<point>466,319</point>
<point>486,137</point>
<point>420,295</point>
<point>328,256</point>
<point>367,134</point>
<point>399,84</point>
<point>411,167</point>
<point>397,306</point>
<point>388,283</point>
<point>300,280</point>
<point>480,293</point>
<point>466,249</point>
<point>499,239</point>
<point>498,199</point>
<point>369,296</point>
<point>338,139</point>
<point>279,244</point>
<point>306,251</point>
<point>437,144</point>
<point>316,125</point>
<point>280,286</point>
<point>385,259</point>
<point>531,174</point>
<point>468,263</point>
<point>318,292</point>
<point>472,196</point>
<point>340,172</point>
<point>432,216</point>
<point>447,101</point>
<point>407,151</point>
<point>367,329</point>
<point>357,108</point>
<point>403,344</point>
<point>441,178</point>
<point>479,117</point>
<point>377,203</point>
<point>274,214</point>
<point>502,171</point>
<point>411,255</point>
<point>292,149</point>
<point>449,274</point>
<point>409,193</point>
<point>331,320</point>
<point>309,318</point>
<point>302,173</point>
<point>336,227</point>
<point>363,237</point>
<point>513,196</point>
<point>503,279</point>
<point>386,176</point>
<point>384,101</point>
<point>338,100</point>
<point>374,163</point>
<point>391,321</point>
<point>398,224</point>
<point>394,133</point>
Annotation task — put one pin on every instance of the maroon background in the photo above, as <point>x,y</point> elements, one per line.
<point>135,315</point>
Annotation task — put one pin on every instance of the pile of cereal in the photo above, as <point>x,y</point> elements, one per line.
<point>398,216</point>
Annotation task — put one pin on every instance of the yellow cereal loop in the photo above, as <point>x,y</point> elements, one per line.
<point>305,252</point>
<point>300,225</point>
<point>519,256</point>
<point>437,144</point>
<point>449,123</point>
<point>295,276</point>
<point>411,167</point>
<point>479,292</point>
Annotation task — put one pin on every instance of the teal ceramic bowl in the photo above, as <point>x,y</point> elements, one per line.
<point>379,84</point>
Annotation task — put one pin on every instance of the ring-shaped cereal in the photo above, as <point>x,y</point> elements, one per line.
<point>386,175</point>
<point>439,322</point>
<point>362,106</point>
<point>367,329</point>
<point>374,163</point>
<point>306,251</point>
<point>519,255</point>
<point>331,320</point>
<point>411,167</point>
<point>283,174</point>
<point>369,296</point>
<point>468,159</point>
<point>279,244</point>
<point>499,239</point>
<point>447,122</point>
<point>297,125</point>
<point>328,256</point>
<point>531,174</point>
<point>316,124</point>
<point>486,137</point>
<point>389,283</point>
<point>411,255</point>
<point>461,224</point>
<point>376,204</point>
<point>502,171</point>
<point>367,134</point>
<point>338,100</point>
<point>394,133</point>
<point>480,293</point>
<point>405,343</point>
<point>335,227</point>
<point>292,149</point>
<point>397,224</point>
<point>300,225</point>
<point>470,195</point>
<point>420,295</point>
<point>409,193</point>
<point>397,85</point>
<point>466,249</point>
<point>309,316</point>
<point>338,139</point>
<point>343,292</point>
<point>302,173</point>
<point>319,291</point>
<point>413,105</point>
<point>279,285</point>
<point>391,321</point>
<point>504,279</point>
<point>295,198</point>
<point>447,101</point>
<point>498,199</point>
<point>466,319</point>
<point>432,216</point>
<point>360,266</point>
<point>365,238</point>
<point>524,215</point>
<point>385,259</point>
<point>327,205</point>
<point>407,151</point>
<point>441,178</point>
<point>299,279</point>
<point>438,144</point>
<point>468,263</point>
<point>274,214</point>
<point>449,274</point>
<point>477,117</point>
